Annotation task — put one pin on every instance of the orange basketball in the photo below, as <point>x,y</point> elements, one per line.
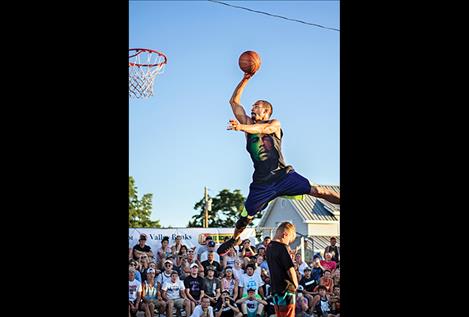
<point>249,62</point>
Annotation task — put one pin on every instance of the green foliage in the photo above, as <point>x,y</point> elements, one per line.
<point>226,208</point>
<point>140,209</point>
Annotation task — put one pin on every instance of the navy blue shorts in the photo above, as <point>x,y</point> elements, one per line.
<point>260,194</point>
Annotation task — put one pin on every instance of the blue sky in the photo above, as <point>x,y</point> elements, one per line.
<point>178,141</point>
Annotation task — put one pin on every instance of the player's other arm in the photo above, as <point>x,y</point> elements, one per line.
<point>235,103</point>
<point>273,126</point>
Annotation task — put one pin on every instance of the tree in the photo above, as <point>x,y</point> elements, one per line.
<point>226,208</point>
<point>140,209</point>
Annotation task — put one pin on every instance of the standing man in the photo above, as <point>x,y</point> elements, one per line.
<point>283,278</point>
<point>333,249</point>
<point>272,176</point>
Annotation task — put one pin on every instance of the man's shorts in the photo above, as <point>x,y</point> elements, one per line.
<point>285,305</point>
<point>261,194</point>
<point>178,303</point>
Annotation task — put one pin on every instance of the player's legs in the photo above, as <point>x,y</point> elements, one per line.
<point>258,198</point>
<point>329,195</point>
<point>295,184</point>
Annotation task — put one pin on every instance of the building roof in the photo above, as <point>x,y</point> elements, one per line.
<point>309,208</point>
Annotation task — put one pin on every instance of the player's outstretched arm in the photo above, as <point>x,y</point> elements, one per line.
<point>235,102</point>
<point>273,126</point>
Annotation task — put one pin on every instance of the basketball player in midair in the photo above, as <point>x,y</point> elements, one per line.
<point>272,177</point>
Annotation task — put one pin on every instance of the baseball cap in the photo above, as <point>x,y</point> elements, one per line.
<point>168,261</point>
<point>307,268</point>
<point>150,270</point>
<point>251,290</point>
<point>300,288</point>
<point>228,268</point>
<point>211,267</point>
<point>211,243</point>
<point>208,238</point>
<point>194,265</point>
<point>143,237</point>
<point>225,291</point>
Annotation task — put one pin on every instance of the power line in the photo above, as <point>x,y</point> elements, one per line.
<point>276,16</point>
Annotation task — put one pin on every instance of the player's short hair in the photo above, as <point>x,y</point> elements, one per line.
<point>286,226</point>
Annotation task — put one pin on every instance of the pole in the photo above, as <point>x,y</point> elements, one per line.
<point>206,207</point>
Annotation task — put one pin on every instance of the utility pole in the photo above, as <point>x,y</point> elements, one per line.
<point>207,206</point>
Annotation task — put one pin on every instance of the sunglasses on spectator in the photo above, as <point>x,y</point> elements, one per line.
<point>167,264</point>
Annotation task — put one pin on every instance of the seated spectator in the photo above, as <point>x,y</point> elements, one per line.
<point>336,276</point>
<point>259,259</point>
<point>250,281</point>
<point>211,262</point>
<point>264,243</point>
<point>134,265</point>
<point>301,306</point>
<point>309,284</point>
<point>317,271</point>
<point>230,284</point>
<point>165,276</point>
<point>175,296</point>
<point>203,309</point>
<point>261,250</point>
<point>226,306</point>
<point>134,293</point>
<point>203,247</point>
<point>335,300</point>
<point>164,251</point>
<point>191,259</point>
<point>176,247</point>
<point>194,288</point>
<point>151,296</point>
<point>266,288</point>
<point>328,264</point>
<point>327,282</point>
<point>144,264</point>
<point>141,248</point>
<point>181,255</point>
<point>238,269</point>
<point>321,303</point>
<point>301,264</point>
<point>212,286</point>
<point>251,303</point>
<point>247,251</point>
<point>229,258</point>
<point>211,248</point>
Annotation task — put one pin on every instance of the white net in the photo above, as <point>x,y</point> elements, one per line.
<point>144,65</point>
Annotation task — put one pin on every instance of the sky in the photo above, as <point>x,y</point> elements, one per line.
<point>178,141</point>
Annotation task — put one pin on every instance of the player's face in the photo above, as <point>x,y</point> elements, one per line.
<point>258,112</point>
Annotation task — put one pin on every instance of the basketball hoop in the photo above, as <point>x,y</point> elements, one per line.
<point>144,65</point>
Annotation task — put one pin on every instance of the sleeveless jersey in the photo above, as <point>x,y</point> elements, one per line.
<point>266,154</point>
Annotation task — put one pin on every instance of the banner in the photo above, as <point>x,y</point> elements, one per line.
<point>191,237</point>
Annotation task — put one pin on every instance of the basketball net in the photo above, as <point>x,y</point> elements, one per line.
<point>144,65</point>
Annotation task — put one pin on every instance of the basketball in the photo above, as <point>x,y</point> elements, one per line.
<point>249,62</point>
